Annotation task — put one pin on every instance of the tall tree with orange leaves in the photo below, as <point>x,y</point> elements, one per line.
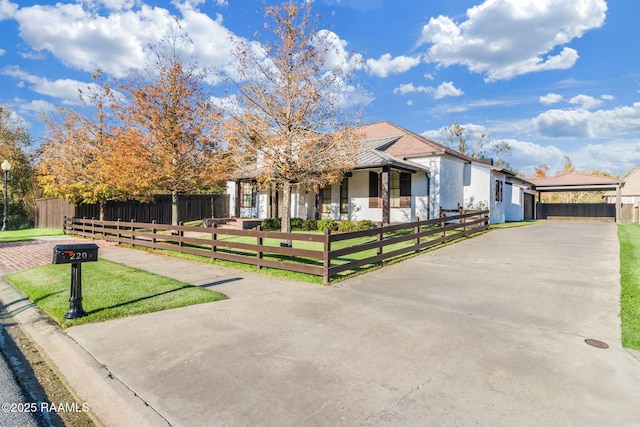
<point>291,122</point>
<point>77,158</point>
<point>170,135</point>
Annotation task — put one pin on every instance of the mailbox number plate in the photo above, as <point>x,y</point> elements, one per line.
<point>69,254</point>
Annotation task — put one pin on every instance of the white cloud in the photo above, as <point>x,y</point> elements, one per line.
<point>550,98</point>
<point>607,97</point>
<point>525,155</point>
<point>580,123</point>
<point>487,41</point>
<point>337,54</point>
<point>585,101</point>
<point>443,90</point>
<point>85,40</point>
<point>66,89</point>
<point>613,156</point>
<point>7,9</point>
<point>406,88</point>
<point>2,52</point>
<point>447,89</point>
<point>37,106</point>
<point>386,65</point>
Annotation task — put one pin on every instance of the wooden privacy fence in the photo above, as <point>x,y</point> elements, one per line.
<point>51,212</point>
<point>326,255</point>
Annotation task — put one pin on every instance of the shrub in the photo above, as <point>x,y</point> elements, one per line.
<point>365,224</point>
<point>309,225</point>
<point>327,224</point>
<point>297,223</point>
<point>271,224</point>
<point>346,225</point>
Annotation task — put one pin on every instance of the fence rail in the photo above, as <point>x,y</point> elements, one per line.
<point>325,255</point>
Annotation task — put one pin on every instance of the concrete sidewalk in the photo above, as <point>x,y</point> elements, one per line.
<point>489,331</point>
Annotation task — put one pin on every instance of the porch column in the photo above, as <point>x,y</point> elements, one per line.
<point>385,185</point>
<point>236,208</point>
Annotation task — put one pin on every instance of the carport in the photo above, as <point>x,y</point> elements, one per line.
<point>580,182</point>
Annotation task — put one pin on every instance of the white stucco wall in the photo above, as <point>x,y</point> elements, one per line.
<point>446,187</point>
<point>477,188</point>
<point>359,198</point>
<point>303,202</point>
<point>514,202</point>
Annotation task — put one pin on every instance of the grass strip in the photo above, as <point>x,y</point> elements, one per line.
<point>629,236</point>
<point>109,291</point>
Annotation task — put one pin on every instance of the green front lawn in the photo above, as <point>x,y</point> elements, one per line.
<point>28,234</point>
<point>109,291</point>
<point>629,236</point>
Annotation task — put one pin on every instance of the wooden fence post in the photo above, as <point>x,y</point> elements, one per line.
<point>64,225</point>
<point>133,237</point>
<point>326,261</point>
<point>153,231</point>
<point>379,238</point>
<point>214,238</point>
<point>260,243</point>
<point>180,233</point>
<point>118,235</point>
<point>416,230</point>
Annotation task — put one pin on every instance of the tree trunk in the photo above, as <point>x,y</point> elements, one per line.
<point>175,213</point>
<point>102,204</point>
<point>285,226</point>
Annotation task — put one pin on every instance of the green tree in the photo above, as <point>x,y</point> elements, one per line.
<point>14,145</point>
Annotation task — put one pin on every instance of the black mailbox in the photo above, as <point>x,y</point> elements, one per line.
<point>75,255</point>
<point>71,254</point>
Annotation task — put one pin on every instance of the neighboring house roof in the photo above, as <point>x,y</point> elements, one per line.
<point>575,181</point>
<point>408,144</point>
<point>631,185</point>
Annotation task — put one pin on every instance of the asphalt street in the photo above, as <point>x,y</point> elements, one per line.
<point>16,410</point>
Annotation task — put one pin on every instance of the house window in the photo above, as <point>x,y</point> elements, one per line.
<point>394,191</point>
<point>248,195</point>
<point>400,191</point>
<point>344,196</point>
<point>326,199</point>
<point>499,189</point>
<point>374,190</point>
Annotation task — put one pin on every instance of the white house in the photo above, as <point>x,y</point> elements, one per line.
<point>400,176</point>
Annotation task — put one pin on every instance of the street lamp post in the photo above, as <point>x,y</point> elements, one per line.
<point>6,167</point>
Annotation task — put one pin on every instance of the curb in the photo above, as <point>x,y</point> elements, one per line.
<point>111,401</point>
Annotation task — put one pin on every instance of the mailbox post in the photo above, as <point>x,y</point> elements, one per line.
<point>75,255</point>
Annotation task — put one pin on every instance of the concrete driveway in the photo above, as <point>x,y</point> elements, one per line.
<point>489,331</point>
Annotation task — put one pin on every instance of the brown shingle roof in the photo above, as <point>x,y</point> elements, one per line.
<point>409,144</point>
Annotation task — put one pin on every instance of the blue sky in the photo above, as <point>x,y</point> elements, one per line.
<point>550,77</point>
